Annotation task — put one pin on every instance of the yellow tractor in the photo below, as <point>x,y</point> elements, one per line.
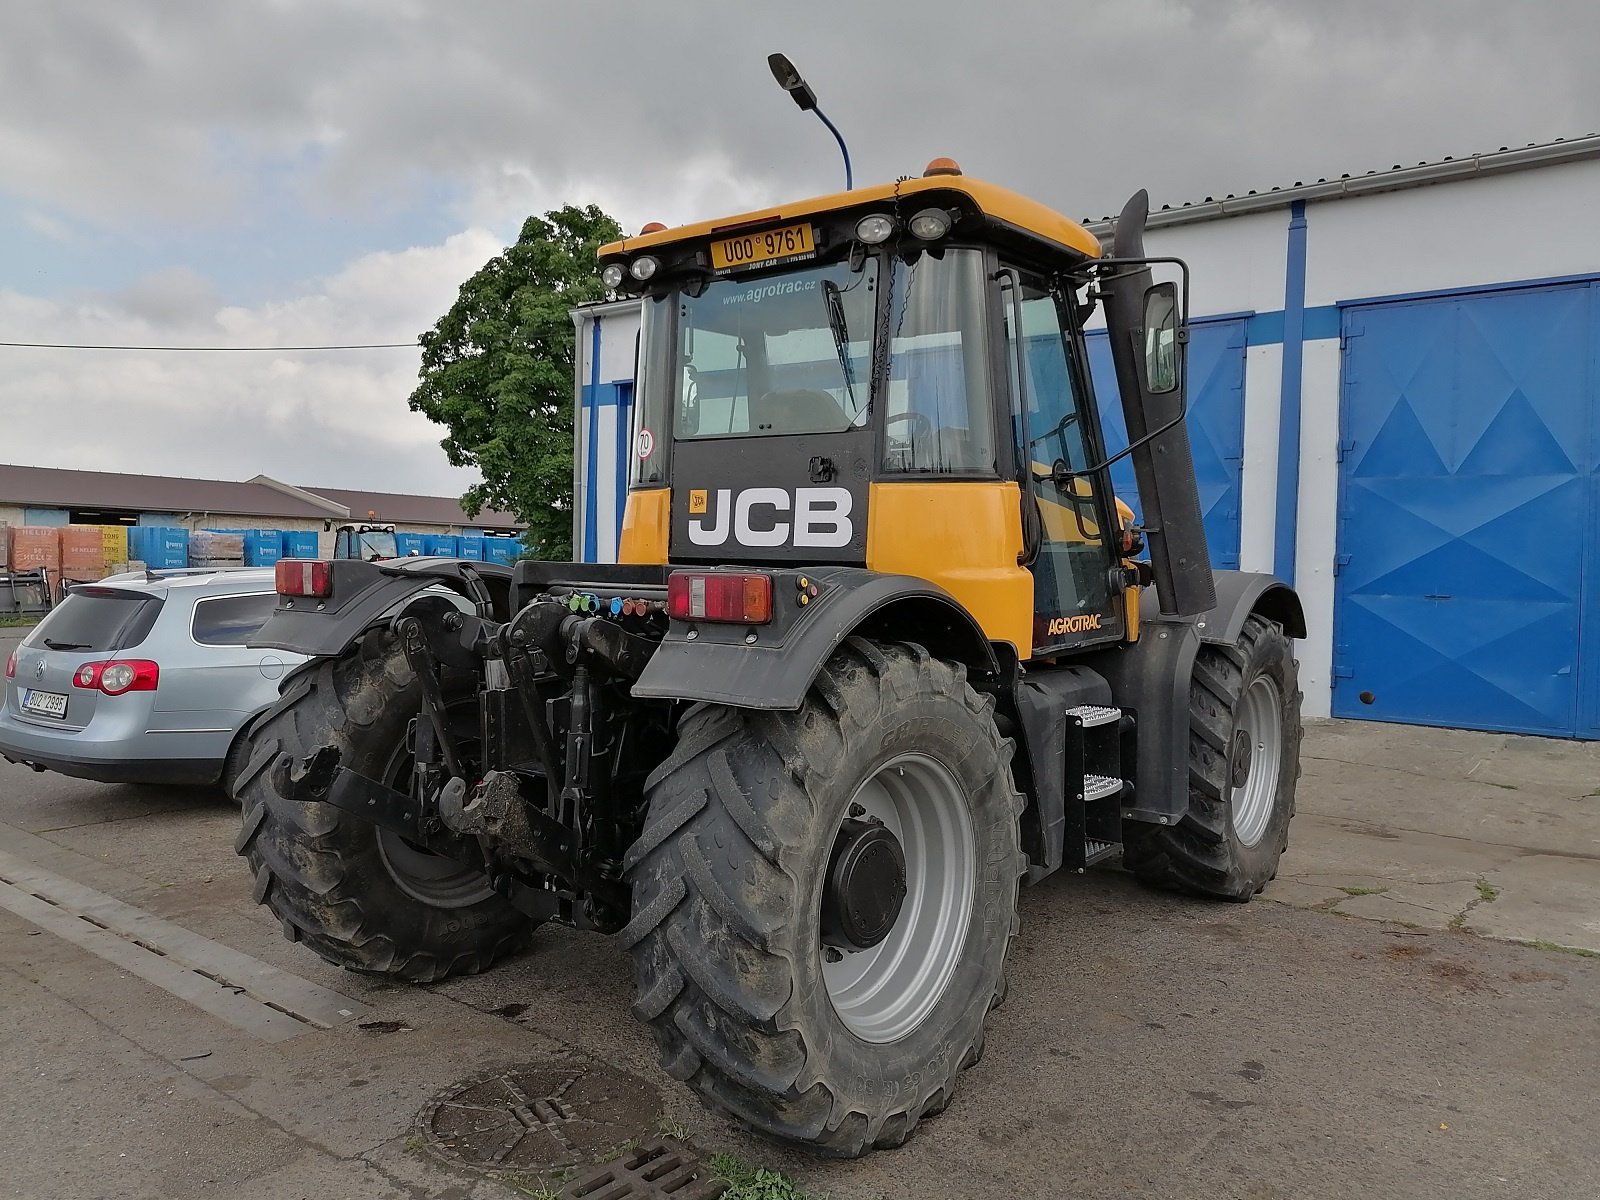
<point>883,645</point>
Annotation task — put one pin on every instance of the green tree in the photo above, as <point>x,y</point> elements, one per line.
<point>497,372</point>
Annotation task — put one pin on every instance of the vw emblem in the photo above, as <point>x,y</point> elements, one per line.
<point>38,669</point>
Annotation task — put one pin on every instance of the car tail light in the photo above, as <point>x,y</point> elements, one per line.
<point>719,596</point>
<point>114,677</point>
<point>303,577</point>
<point>11,665</point>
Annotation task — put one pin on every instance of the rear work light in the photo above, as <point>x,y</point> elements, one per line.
<point>116,676</point>
<point>303,577</point>
<point>719,596</point>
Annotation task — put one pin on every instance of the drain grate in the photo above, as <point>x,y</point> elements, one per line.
<point>659,1170</point>
<point>565,1112</point>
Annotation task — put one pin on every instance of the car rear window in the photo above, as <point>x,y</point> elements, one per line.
<point>97,619</point>
<point>232,620</point>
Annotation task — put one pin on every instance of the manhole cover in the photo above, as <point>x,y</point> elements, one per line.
<point>540,1116</point>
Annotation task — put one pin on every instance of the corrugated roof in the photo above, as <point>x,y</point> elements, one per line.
<point>1398,177</point>
<point>52,487</point>
<point>393,508</point>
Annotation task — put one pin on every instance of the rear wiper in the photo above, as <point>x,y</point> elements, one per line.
<point>54,645</point>
<point>841,338</point>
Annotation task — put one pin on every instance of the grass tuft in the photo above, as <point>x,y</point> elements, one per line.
<point>755,1183</point>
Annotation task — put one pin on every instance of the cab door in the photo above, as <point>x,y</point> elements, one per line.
<point>1053,425</point>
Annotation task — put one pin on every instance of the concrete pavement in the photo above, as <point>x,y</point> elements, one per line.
<point>1150,1045</point>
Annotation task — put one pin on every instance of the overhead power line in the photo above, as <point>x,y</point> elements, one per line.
<point>211,349</point>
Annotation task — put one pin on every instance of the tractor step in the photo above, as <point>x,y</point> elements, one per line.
<point>1095,850</point>
<point>1098,787</point>
<point>1091,715</point>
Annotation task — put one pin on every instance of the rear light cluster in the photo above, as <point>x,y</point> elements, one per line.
<point>304,577</point>
<point>118,675</point>
<point>719,596</point>
<point>11,666</point>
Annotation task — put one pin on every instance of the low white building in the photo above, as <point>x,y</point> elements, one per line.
<point>1394,395</point>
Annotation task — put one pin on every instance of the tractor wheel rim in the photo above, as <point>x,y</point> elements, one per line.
<point>1261,722</point>
<point>417,871</point>
<point>429,877</point>
<point>885,992</point>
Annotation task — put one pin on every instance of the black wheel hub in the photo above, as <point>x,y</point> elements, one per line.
<point>1239,766</point>
<point>865,887</point>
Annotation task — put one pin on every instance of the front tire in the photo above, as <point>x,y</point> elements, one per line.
<point>837,1051</point>
<point>1244,762</point>
<point>361,897</point>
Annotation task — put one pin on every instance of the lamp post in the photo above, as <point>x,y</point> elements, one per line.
<point>790,80</point>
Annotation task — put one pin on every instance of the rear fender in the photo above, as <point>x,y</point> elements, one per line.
<point>364,592</point>
<point>771,667</point>
<point>1151,679</point>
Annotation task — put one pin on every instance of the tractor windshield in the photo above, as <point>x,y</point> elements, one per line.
<point>826,349</point>
<point>780,355</point>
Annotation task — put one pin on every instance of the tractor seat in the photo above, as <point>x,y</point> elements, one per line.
<point>796,410</point>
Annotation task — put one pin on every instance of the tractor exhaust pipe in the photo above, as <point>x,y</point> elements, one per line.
<point>1163,465</point>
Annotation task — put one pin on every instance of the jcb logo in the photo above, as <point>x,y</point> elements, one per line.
<point>756,517</point>
<point>1085,623</point>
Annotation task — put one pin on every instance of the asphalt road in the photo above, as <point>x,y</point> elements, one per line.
<point>1149,1046</point>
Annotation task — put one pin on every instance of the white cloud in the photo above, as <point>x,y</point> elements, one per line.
<point>338,418</point>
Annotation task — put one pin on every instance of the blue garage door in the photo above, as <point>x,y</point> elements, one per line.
<point>1216,427</point>
<point>1467,512</point>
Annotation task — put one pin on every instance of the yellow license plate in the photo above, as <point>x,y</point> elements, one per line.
<point>759,249</point>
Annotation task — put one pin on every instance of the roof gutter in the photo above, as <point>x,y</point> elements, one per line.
<point>1347,187</point>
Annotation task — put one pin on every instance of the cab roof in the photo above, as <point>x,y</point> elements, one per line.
<point>995,202</point>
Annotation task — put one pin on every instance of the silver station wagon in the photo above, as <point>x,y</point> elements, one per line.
<point>144,678</point>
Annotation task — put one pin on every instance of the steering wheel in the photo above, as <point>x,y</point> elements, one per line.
<point>921,427</point>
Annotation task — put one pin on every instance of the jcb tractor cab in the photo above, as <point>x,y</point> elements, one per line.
<point>368,543</point>
<point>881,646</point>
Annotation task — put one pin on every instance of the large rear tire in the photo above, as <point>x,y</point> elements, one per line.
<point>1244,762</point>
<point>360,897</point>
<point>839,1051</point>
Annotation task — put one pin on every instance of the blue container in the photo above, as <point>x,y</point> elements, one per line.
<point>159,547</point>
<point>445,545</point>
<point>503,550</point>
<point>407,544</point>
<point>470,547</point>
<point>299,543</point>
<point>262,547</point>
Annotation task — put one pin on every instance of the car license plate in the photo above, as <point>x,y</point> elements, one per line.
<point>764,248</point>
<point>45,704</point>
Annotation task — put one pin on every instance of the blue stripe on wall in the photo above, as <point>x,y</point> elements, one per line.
<point>592,403</point>
<point>1294,311</point>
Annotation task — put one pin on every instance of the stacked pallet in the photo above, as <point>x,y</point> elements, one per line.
<point>83,554</point>
<point>216,548</point>
<point>34,547</point>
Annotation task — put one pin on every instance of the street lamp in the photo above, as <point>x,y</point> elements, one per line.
<point>789,79</point>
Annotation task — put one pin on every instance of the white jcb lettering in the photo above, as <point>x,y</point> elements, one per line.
<point>718,533</point>
<point>744,533</point>
<point>821,517</point>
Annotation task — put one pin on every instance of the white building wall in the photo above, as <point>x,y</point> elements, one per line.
<point>1534,224</point>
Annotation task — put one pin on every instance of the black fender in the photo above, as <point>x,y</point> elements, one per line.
<point>771,666</point>
<point>1151,679</point>
<point>363,592</point>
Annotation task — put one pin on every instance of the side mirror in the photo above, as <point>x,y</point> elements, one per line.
<point>1161,338</point>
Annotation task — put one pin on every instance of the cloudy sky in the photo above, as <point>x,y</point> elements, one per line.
<point>289,172</point>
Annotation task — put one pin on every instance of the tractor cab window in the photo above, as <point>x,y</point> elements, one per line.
<point>937,415</point>
<point>1072,588</point>
<point>786,354</point>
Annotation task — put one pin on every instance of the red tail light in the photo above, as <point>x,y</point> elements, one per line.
<point>117,676</point>
<point>11,666</point>
<point>719,596</point>
<point>303,577</point>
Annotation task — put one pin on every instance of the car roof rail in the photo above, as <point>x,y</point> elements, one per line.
<point>154,573</point>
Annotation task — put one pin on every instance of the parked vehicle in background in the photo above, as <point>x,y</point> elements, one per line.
<point>369,543</point>
<point>144,678</point>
